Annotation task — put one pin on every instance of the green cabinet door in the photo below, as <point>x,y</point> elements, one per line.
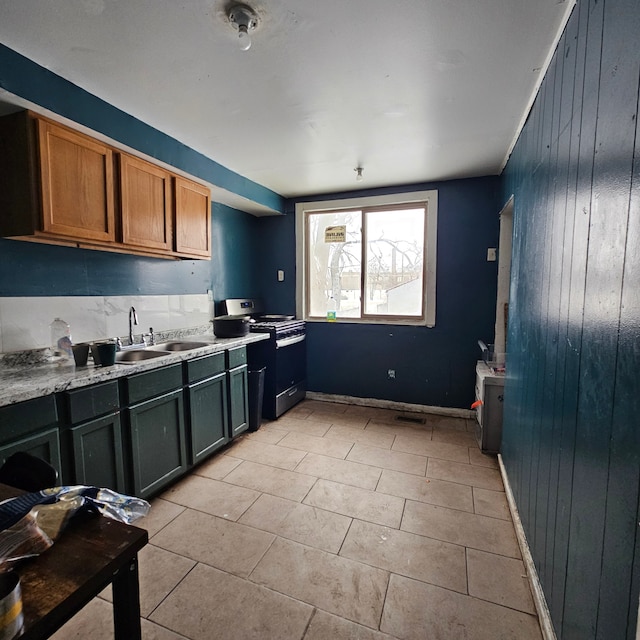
<point>207,402</point>
<point>44,445</point>
<point>238,400</point>
<point>158,442</point>
<point>97,453</point>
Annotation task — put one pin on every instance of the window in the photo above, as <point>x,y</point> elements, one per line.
<point>371,259</point>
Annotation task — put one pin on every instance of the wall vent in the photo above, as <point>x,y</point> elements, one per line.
<point>412,419</point>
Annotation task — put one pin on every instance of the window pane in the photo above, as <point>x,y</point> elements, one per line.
<point>394,262</point>
<point>334,267</point>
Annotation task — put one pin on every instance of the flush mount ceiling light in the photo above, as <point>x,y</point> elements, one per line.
<point>245,20</point>
<point>359,171</point>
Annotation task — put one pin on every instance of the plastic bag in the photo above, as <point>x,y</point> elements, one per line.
<point>30,523</point>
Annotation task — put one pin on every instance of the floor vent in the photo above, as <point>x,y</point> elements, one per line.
<point>411,419</point>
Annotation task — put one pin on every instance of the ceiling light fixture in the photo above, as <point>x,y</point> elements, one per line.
<point>359,171</point>
<point>245,20</point>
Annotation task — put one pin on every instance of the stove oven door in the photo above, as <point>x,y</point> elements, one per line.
<point>285,377</point>
<point>290,374</point>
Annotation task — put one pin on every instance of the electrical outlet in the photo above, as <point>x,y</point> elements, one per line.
<point>391,374</point>
<point>491,255</point>
<point>280,275</point>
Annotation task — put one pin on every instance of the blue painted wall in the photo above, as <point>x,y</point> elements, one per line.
<point>571,441</point>
<point>433,366</point>
<point>30,269</point>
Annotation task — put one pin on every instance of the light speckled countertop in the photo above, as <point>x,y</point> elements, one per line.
<point>23,382</point>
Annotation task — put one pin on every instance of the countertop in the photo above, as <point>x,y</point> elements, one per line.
<point>24,382</point>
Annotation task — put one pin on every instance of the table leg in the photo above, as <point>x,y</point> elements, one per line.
<point>126,602</point>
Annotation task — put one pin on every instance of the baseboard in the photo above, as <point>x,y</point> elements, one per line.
<point>391,404</point>
<point>548,632</point>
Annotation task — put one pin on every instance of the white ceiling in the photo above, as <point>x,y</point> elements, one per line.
<point>411,90</point>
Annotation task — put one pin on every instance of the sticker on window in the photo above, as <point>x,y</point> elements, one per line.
<point>336,233</point>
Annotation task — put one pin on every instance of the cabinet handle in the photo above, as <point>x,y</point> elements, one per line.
<point>293,391</point>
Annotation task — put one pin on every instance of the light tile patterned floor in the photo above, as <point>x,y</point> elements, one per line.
<point>335,522</point>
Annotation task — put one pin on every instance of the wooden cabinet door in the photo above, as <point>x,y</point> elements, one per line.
<point>145,192</point>
<point>192,218</point>
<point>76,184</point>
<point>97,453</point>
<point>207,416</point>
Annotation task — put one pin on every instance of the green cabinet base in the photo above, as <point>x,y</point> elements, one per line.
<point>97,453</point>
<point>158,442</point>
<point>207,410</point>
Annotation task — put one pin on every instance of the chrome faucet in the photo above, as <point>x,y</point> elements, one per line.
<point>133,316</point>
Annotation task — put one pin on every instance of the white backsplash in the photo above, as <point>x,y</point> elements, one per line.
<point>24,322</point>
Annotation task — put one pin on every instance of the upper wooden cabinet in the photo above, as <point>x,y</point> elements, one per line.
<point>145,190</point>
<point>76,184</point>
<point>193,218</point>
<point>61,186</point>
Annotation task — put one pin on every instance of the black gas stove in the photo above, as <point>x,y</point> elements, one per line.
<point>283,356</point>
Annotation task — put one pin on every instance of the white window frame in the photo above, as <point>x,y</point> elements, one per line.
<point>430,249</point>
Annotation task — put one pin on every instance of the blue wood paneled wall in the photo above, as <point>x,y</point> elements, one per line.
<point>571,441</point>
<point>434,366</point>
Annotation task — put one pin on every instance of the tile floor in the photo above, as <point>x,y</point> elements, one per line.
<point>334,522</point>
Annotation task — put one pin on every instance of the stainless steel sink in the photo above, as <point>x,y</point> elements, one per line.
<point>178,346</point>
<point>138,355</point>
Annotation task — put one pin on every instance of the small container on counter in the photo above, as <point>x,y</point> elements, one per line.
<point>61,339</point>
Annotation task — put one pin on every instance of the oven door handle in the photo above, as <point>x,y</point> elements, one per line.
<point>287,342</point>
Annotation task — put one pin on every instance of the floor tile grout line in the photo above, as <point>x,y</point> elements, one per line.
<point>466,595</point>
<point>195,564</point>
<point>213,515</point>
<point>315,606</point>
<point>311,617</point>
<point>308,492</point>
<point>248,576</point>
<point>466,568</point>
<point>261,464</point>
<point>384,601</point>
<point>345,537</point>
<point>166,524</point>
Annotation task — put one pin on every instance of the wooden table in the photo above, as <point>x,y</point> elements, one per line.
<point>91,553</point>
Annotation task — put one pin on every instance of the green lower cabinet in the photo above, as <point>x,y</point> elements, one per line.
<point>44,445</point>
<point>207,409</point>
<point>97,453</point>
<point>238,400</point>
<point>158,442</point>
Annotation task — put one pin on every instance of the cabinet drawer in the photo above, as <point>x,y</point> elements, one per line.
<point>153,383</point>
<point>205,367</point>
<point>236,357</point>
<point>17,420</point>
<point>91,402</point>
